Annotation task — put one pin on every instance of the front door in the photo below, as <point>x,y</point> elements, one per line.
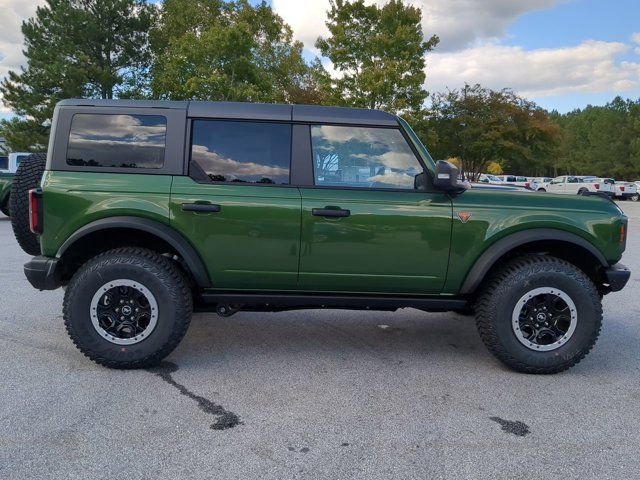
<point>237,208</point>
<point>365,228</point>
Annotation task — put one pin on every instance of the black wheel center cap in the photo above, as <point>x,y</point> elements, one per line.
<point>126,310</point>
<point>541,317</point>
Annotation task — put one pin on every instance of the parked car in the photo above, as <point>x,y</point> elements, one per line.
<point>622,190</point>
<point>278,207</point>
<point>518,180</point>
<point>490,179</point>
<point>7,172</point>
<point>541,183</point>
<point>575,185</point>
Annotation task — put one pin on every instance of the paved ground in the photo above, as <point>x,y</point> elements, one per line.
<point>320,395</point>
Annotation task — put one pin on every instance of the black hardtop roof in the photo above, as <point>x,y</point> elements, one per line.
<point>251,111</point>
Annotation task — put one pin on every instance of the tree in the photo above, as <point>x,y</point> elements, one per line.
<point>379,53</point>
<point>234,51</point>
<point>483,126</point>
<point>494,168</point>
<point>602,141</point>
<point>75,48</point>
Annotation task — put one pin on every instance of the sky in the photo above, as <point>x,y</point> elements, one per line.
<point>563,54</point>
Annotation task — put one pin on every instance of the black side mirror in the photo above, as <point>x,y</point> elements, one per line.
<point>447,177</point>
<point>420,181</point>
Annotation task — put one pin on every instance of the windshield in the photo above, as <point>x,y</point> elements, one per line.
<point>424,153</point>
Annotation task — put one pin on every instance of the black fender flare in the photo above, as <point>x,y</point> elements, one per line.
<point>492,254</point>
<point>160,230</point>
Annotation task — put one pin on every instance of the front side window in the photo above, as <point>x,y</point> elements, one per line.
<point>19,159</point>
<point>242,152</point>
<point>363,157</point>
<point>117,141</point>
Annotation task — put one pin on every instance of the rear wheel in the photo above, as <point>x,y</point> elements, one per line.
<point>539,314</point>
<point>542,189</point>
<point>635,197</point>
<point>28,176</point>
<point>127,308</point>
<point>583,191</point>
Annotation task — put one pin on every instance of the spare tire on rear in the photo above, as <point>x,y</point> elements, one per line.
<point>27,176</point>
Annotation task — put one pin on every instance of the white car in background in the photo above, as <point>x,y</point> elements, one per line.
<point>628,191</point>
<point>10,165</point>
<point>490,179</point>
<point>575,185</point>
<point>542,183</point>
<point>518,180</point>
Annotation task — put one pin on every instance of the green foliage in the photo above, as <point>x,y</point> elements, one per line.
<point>234,51</point>
<point>75,48</point>
<point>481,126</point>
<point>602,141</point>
<point>379,52</point>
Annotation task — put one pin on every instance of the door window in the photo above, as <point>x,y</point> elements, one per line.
<point>242,152</point>
<point>363,157</point>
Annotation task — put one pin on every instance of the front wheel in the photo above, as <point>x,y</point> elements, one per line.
<point>539,314</point>
<point>542,190</point>
<point>635,197</point>
<point>127,308</point>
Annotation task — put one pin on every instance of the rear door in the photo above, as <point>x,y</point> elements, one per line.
<point>365,228</point>
<point>237,206</point>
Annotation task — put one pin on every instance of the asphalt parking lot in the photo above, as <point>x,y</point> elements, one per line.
<point>318,394</point>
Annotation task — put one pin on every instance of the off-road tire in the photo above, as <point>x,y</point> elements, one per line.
<point>5,207</point>
<point>496,304</point>
<point>27,176</point>
<point>160,276</point>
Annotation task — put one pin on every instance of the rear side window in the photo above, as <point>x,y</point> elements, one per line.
<point>363,157</point>
<point>117,141</point>
<point>4,163</point>
<point>242,152</point>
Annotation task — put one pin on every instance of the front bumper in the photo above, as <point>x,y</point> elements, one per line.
<point>42,273</point>
<point>617,276</point>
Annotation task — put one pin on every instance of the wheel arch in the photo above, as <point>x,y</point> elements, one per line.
<point>562,244</point>
<point>90,240</point>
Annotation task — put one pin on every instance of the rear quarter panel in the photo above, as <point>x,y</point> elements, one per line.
<point>495,215</point>
<point>75,199</point>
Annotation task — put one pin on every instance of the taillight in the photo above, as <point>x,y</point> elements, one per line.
<point>597,185</point>
<point>35,210</point>
<point>623,234</point>
<point>527,185</point>
<point>622,189</point>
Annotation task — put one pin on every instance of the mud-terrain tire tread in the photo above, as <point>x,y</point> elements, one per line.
<point>165,270</point>
<point>498,285</point>
<point>27,176</point>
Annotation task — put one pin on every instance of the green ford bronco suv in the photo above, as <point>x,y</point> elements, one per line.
<point>146,211</point>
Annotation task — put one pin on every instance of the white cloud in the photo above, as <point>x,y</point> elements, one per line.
<point>591,67</point>
<point>636,38</point>
<point>12,13</point>
<point>458,23</point>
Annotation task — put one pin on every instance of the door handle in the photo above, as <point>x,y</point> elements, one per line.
<point>201,207</point>
<point>330,212</point>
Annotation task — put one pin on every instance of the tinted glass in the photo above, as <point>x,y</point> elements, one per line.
<point>242,152</point>
<point>117,141</point>
<point>362,157</point>
<point>4,163</point>
<point>19,158</point>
